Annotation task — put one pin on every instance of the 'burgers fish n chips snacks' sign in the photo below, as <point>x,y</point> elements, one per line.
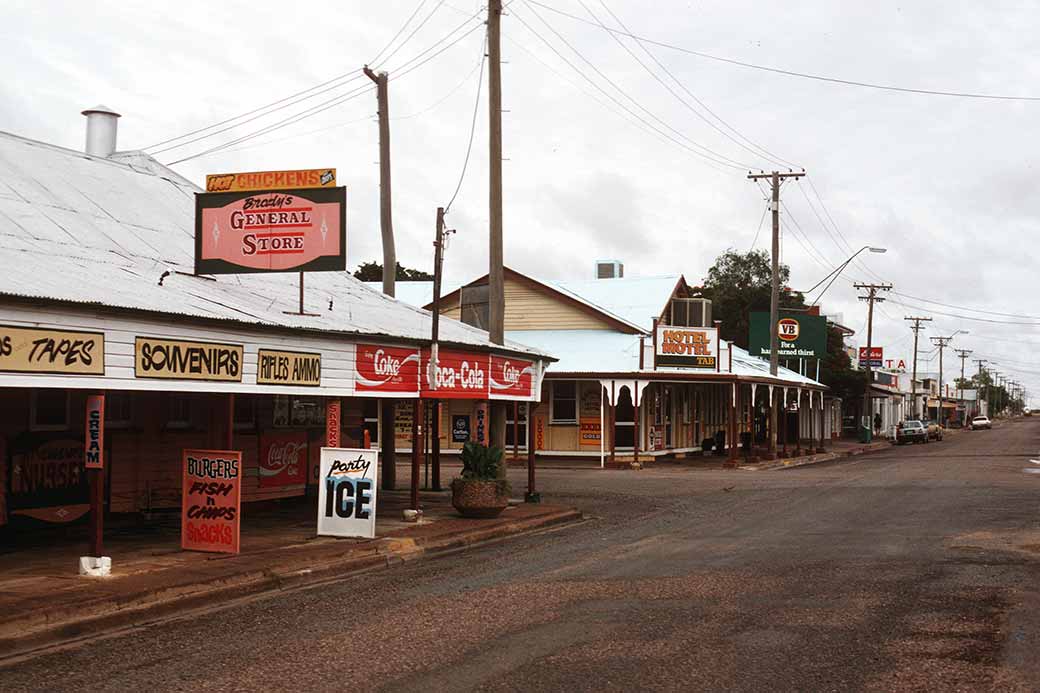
<point>211,500</point>
<point>347,493</point>
<point>271,231</point>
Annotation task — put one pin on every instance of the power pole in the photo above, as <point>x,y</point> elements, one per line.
<point>942,343</point>
<point>496,272</point>
<point>775,178</point>
<point>438,266</point>
<point>913,381</point>
<point>871,298</point>
<point>963,354</point>
<point>386,226</point>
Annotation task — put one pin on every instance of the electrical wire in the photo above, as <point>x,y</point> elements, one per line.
<point>708,157</point>
<point>740,140</point>
<point>964,317</point>
<point>765,210</point>
<point>793,73</point>
<point>416,29</point>
<point>375,59</point>
<point>472,126</point>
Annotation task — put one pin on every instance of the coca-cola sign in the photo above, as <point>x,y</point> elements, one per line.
<point>270,231</point>
<point>386,369</point>
<point>512,377</point>
<point>283,459</point>
<point>460,375</point>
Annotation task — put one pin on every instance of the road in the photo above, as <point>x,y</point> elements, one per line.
<point>915,568</point>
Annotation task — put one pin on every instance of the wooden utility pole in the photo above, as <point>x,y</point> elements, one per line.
<point>963,354</point>
<point>388,476</point>
<point>942,343</point>
<point>871,298</point>
<point>496,272</point>
<point>438,267</point>
<point>775,179</point>
<point>916,327</point>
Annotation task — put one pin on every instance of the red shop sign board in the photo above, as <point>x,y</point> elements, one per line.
<point>283,459</point>
<point>211,500</point>
<point>511,377</point>
<point>386,369</point>
<point>271,231</point>
<point>463,375</point>
<point>94,445</point>
<point>332,423</point>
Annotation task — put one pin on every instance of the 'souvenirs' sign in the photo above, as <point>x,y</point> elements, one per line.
<point>179,360</point>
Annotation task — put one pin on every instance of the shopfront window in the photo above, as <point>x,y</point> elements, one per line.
<point>178,411</point>
<point>370,419</point>
<point>49,410</point>
<point>520,418</point>
<point>118,409</point>
<point>245,412</point>
<point>564,405</point>
<point>298,412</point>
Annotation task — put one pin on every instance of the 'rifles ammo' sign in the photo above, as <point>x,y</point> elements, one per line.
<point>347,493</point>
<point>288,368</point>
<point>686,347</point>
<point>271,231</point>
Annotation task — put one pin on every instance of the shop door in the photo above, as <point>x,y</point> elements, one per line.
<point>624,421</point>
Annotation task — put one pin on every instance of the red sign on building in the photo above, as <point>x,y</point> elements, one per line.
<point>283,459</point>
<point>877,356</point>
<point>386,369</point>
<point>270,231</point>
<point>94,446</point>
<point>461,375</point>
<point>511,378</point>
<point>211,500</point>
<point>332,423</point>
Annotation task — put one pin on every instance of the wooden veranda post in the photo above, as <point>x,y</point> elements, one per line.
<point>532,495</point>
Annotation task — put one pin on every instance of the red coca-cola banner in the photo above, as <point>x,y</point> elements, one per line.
<point>512,377</point>
<point>386,369</point>
<point>461,375</point>
<point>283,459</point>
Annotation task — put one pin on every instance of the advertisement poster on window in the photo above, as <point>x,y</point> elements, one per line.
<point>590,432</point>
<point>47,478</point>
<point>590,400</point>
<point>347,493</point>
<point>459,428</point>
<point>403,414</point>
<point>283,459</point>
<point>211,500</point>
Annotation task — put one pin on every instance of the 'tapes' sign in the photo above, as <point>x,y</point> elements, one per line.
<point>31,350</point>
<point>272,231</point>
<point>347,493</point>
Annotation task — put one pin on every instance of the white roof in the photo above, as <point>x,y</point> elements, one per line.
<point>80,228</point>
<point>636,300</point>
<point>605,351</point>
<point>417,293</point>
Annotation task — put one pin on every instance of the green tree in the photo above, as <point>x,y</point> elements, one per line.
<point>739,283</point>
<point>373,272</point>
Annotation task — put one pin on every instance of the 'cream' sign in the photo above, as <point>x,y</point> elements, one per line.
<point>31,350</point>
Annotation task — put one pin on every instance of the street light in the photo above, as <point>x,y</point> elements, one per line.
<point>837,271</point>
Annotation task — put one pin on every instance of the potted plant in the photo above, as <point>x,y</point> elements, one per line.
<point>480,492</point>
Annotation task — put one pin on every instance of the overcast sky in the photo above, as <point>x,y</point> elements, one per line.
<point>946,184</point>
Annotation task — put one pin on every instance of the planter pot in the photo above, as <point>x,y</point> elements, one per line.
<point>476,498</point>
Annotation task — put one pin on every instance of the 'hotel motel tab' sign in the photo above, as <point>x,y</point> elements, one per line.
<point>686,347</point>
<point>283,230</point>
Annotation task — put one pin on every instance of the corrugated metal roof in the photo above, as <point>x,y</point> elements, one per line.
<point>637,300</point>
<point>80,228</point>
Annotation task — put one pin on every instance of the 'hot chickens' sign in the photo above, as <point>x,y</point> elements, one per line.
<point>270,231</point>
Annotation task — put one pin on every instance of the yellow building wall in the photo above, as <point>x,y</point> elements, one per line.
<point>528,308</point>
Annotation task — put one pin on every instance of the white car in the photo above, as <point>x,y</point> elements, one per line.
<point>980,422</point>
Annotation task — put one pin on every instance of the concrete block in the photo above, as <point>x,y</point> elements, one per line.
<point>95,566</point>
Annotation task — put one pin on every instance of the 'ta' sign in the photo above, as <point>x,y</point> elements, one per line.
<point>347,492</point>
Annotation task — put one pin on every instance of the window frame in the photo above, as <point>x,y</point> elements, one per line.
<point>33,409</point>
<point>118,423</point>
<point>554,420</point>
<point>178,424</point>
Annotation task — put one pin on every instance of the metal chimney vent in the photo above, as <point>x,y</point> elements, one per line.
<point>101,130</point>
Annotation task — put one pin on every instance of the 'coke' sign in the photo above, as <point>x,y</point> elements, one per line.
<point>512,377</point>
<point>283,459</point>
<point>386,369</point>
<point>460,375</point>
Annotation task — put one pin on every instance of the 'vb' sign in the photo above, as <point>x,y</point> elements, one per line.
<point>347,493</point>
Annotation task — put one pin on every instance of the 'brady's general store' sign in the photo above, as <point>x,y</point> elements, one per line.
<point>271,231</point>
<point>30,350</point>
<point>686,347</point>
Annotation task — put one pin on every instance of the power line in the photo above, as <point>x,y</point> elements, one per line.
<point>472,126</point>
<point>707,153</point>
<point>793,73</point>
<point>375,62</point>
<point>972,310</point>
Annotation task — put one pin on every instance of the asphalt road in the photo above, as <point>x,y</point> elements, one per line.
<point>915,568</point>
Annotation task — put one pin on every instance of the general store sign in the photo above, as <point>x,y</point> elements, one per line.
<point>30,350</point>
<point>272,231</point>
<point>386,369</point>
<point>686,347</point>
<point>180,360</point>
<point>288,368</point>
<point>799,335</point>
<point>347,493</point>
<point>876,357</point>
<point>211,500</point>
<point>271,180</point>
<point>511,378</point>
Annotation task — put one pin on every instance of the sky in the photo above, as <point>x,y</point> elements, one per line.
<point>605,157</point>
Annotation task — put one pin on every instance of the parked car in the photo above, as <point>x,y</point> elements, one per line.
<point>935,430</point>
<point>980,422</point>
<point>911,432</point>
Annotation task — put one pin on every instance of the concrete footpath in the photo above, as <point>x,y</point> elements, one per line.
<point>43,602</point>
<point>838,450</point>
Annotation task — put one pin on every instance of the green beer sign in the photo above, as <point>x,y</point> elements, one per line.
<point>801,336</point>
